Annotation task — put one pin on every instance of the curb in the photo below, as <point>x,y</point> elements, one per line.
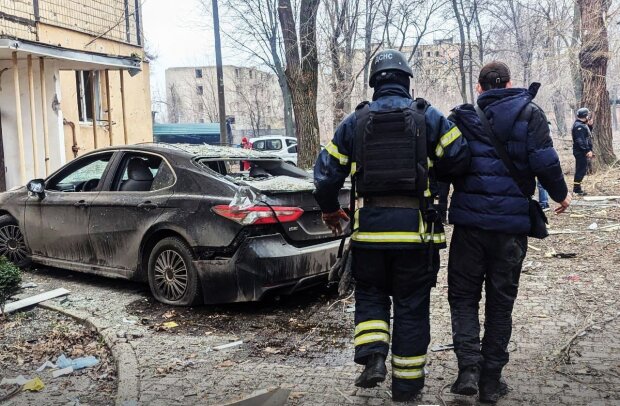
<point>128,391</point>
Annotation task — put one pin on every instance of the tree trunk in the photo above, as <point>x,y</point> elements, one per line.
<point>575,69</point>
<point>289,124</point>
<point>559,112</point>
<point>459,20</point>
<point>368,27</point>
<point>593,58</point>
<point>302,74</point>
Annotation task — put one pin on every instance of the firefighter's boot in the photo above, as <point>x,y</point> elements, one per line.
<point>491,389</point>
<point>373,373</point>
<point>467,382</point>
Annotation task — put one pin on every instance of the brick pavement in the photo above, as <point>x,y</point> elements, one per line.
<point>558,298</point>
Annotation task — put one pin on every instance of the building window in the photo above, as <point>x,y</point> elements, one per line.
<point>201,120</point>
<point>198,73</point>
<point>436,53</point>
<point>237,73</point>
<point>251,75</point>
<point>83,82</point>
<point>428,53</point>
<point>200,107</point>
<point>200,90</point>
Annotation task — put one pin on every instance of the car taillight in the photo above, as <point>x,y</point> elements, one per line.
<point>259,214</point>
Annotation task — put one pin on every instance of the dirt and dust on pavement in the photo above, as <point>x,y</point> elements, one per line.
<point>31,338</point>
<point>565,347</point>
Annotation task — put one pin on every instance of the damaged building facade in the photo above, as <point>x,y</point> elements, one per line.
<point>73,77</point>
<point>253,99</point>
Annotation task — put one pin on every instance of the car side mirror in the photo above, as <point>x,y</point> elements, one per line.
<point>37,187</point>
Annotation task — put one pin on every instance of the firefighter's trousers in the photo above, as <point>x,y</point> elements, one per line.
<point>404,275</point>
<point>494,259</point>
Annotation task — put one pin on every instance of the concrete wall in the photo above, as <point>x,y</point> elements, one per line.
<point>137,100</point>
<point>9,123</point>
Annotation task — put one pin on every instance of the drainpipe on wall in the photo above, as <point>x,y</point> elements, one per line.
<point>46,142</point>
<point>18,116</point>
<point>75,147</point>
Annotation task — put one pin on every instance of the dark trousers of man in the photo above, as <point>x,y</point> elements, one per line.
<point>494,259</point>
<point>581,168</point>
<point>404,275</point>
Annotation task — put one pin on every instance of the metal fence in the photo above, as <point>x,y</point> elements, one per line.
<point>118,20</point>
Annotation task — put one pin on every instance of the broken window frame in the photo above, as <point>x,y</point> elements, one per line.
<point>84,96</point>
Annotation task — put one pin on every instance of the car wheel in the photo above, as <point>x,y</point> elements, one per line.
<point>12,244</point>
<point>172,276</point>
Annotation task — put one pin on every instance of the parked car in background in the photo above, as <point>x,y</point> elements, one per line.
<point>284,147</point>
<point>187,220</point>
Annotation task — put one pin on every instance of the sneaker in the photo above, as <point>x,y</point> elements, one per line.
<point>492,389</point>
<point>544,206</point>
<point>373,373</point>
<point>467,382</point>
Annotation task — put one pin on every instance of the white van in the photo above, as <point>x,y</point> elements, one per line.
<point>284,147</point>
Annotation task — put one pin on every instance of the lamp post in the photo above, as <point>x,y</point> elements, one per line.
<point>220,73</point>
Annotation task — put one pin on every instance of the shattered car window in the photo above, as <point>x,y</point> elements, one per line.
<point>271,174</point>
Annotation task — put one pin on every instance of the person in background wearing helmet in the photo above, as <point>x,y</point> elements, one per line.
<point>582,147</point>
<point>394,147</point>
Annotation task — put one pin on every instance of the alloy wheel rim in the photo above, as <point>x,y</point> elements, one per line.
<point>12,245</point>
<point>171,275</point>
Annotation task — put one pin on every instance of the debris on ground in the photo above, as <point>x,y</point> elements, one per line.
<point>229,345</point>
<point>47,364</point>
<point>77,363</point>
<point>62,372</point>
<point>20,380</point>
<point>30,344</point>
<point>28,285</point>
<point>264,397</point>
<point>170,324</point>
<point>33,300</point>
<point>34,385</point>
<point>442,347</point>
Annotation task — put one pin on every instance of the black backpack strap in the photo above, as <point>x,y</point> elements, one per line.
<point>362,113</point>
<point>420,106</point>
<point>517,175</point>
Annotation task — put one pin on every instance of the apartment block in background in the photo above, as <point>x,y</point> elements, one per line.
<point>253,98</point>
<point>73,77</point>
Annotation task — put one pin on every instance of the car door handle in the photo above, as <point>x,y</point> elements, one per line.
<point>81,203</point>
<point>148,206</point>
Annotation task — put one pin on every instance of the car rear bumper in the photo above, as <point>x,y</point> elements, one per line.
<point>265,265</point>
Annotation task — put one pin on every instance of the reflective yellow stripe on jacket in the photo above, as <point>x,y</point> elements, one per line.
<point>420,237</point>
<point>332,149</point>
<point>447,139</point>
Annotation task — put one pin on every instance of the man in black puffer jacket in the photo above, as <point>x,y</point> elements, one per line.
<point>491,218</point>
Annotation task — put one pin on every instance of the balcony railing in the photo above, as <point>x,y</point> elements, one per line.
<point>118,20</point>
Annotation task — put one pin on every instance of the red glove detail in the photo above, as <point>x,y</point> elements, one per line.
<point>332,220</point>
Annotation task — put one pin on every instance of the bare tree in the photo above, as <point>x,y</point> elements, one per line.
<point>174,105</point>
<point>302,73</point>
<point>341,29</point>
<point>594,57</point>
<point>406,23</point>
<point>257,33</point>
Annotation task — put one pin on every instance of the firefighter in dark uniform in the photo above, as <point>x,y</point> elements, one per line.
<point>392,147</point>
<point>582,147</point>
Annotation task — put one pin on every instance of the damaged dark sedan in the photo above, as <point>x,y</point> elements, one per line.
<point>189,220</point>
